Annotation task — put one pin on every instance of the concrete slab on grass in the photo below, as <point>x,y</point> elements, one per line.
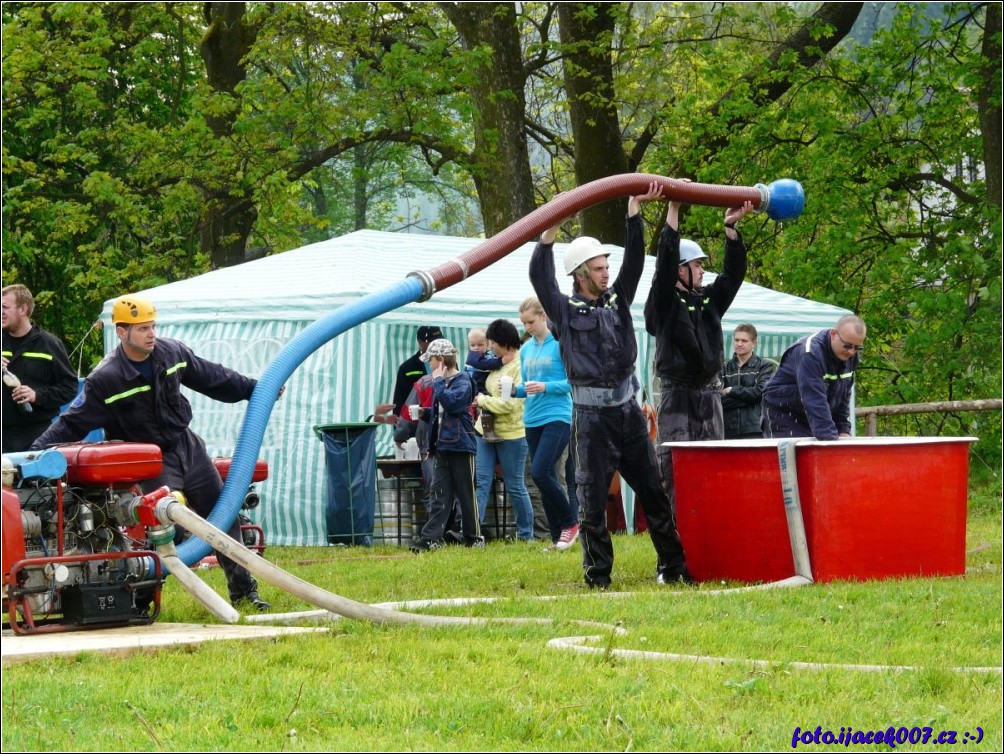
<point>16,648</point>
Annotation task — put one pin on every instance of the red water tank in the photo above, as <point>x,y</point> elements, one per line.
<point>873,508</point>
<point>114,463</point>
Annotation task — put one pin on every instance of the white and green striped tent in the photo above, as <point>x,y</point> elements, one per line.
<point>243,316</point>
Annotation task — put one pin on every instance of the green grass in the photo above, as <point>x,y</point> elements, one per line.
<point>359,686</point>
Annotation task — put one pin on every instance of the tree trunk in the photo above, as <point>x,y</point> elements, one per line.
<point>229,215</point>
<point>808,49</point>
<point>587,39</point>
<point>988,102</point>
<point>502,173</point>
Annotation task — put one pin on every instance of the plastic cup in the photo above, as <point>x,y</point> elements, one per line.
<point>505,385</point>
<point>413,409</point>
<point>411,450</point>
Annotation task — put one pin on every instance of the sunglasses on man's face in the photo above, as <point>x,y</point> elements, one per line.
<point>849,346</point>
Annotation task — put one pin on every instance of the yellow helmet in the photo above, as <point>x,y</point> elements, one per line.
<point>131,310</point>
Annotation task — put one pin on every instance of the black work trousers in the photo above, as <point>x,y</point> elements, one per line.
<point>686,414</point>
<point>452,485</point>
<point>606,440</point>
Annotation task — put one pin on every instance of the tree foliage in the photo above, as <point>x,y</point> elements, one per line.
<point>147,142</point>
<point>97,142</point>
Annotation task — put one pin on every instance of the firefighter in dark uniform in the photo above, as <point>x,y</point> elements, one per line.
<point>810,393</point>
<point>685,316</point>
<point>135,394</point>
<point>609,430</point>
<point>39,362</point>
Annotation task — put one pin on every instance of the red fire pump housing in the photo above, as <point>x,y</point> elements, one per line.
<point>73,557</point>
<point>111,463</point>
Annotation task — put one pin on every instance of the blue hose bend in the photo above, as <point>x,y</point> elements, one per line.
<point>266,392</point>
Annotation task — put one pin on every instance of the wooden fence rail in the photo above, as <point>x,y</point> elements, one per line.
<point>872,413</point>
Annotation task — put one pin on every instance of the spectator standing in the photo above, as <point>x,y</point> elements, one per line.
<point>452,447</point>
<point>39,361</point>
<point>744,379</point>
<point>610,432</point>
<point>418,424</point>
<point>413,367</point>
<point>509,451</point>
<point>547,417</point>
<point>810,394</point>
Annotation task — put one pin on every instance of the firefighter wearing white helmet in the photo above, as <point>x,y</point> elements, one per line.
<point>135,395</point>
<point>598,349</point>
<point>580,251</point>
<point>685,316</point>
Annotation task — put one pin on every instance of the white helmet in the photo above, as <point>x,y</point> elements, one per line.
<point>581,250</point>
<point>689,251</point>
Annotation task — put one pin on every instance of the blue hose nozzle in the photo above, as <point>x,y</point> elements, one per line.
<point>782,200</point>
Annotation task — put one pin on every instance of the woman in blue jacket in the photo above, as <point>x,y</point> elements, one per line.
<point>547,416</point>
<point>452,446</point>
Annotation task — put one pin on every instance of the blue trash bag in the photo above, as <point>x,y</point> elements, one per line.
<point>350,462</point>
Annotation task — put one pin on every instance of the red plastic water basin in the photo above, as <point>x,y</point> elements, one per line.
<point>873,508</point>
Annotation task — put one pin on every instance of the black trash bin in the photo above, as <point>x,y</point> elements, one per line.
<point>350,460</point>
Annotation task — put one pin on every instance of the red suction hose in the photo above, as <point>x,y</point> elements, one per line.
<point>567,204</point>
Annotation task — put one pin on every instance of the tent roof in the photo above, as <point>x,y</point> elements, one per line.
<point>308,282</point>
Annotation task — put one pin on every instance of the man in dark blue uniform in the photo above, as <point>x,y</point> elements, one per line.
<point>810,394</point>
<point>609,430</point>
<point>135,394</point>
<point>38,360</point>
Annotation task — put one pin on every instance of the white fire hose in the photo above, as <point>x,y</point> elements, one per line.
<point>162,538</point>
<point>169,510</point>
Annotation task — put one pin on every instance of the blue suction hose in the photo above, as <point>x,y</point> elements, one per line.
<point>781,200</point>
<point>192,550</point>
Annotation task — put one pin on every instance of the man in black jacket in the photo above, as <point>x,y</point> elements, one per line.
<point>610,432</point>
<point>686,319</point>
<point>37,358</point>
<point>744,379</point>
<point>135,394</point>
<point>413,368</point>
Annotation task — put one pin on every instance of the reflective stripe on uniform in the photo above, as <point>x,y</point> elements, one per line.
<point>176,367</point>
<point>127,393</point>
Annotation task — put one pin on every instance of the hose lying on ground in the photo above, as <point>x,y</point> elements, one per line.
<point>174,512</point>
